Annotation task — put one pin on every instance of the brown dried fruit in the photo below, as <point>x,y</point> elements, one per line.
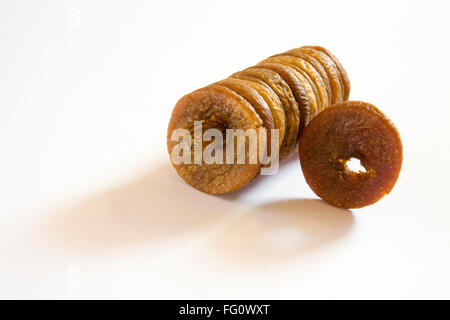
<point>294,80</point>
<point>307,71</point>
<point>221,108</point>
<point>331,70</point>
<point>344,131</point>
<point>256,101</point>
<point>274,104</point>
<point>284,93</point>
<point>345,80</point>
<point>316,65</point>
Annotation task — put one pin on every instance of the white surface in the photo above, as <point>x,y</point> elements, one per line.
<point>91,207</point>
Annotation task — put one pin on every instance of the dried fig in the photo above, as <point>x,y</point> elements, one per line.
<point>284,93</point>
<point>304,98</point>
<point>317,67</point>
<point>345,131</point>
<point>256,101</point>
<point>344,76</point>
<point>219,108</point>
<point>331,70</point>
<point>274,104</point>
<point>315,99</point>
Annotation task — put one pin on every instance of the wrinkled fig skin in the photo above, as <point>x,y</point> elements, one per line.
<point>347,130</point>
<point>274,104</point>
<point>306,79</point>
<point>290,106</point>
<point>331,70</point>
<point>215,106</point>
<point>283,92</point>
<point>245,77</point>
<point>345,80</point>
<point>316,65</point>
<point>293,79</point>
<point>256,101</point>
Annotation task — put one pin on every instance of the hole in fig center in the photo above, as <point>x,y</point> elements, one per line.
<point>354,165</point>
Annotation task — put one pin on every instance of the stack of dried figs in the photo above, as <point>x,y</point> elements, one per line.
<point>277,100</point>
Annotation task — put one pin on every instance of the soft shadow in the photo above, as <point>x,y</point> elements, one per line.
<point>260,179</point>
<point>156,205</point>
<point>281,230</point>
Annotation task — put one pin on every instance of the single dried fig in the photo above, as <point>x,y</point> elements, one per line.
<point>220,108</point>
<point>344,131</point>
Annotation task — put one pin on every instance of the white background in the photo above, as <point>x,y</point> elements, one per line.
<point>90,206</point>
